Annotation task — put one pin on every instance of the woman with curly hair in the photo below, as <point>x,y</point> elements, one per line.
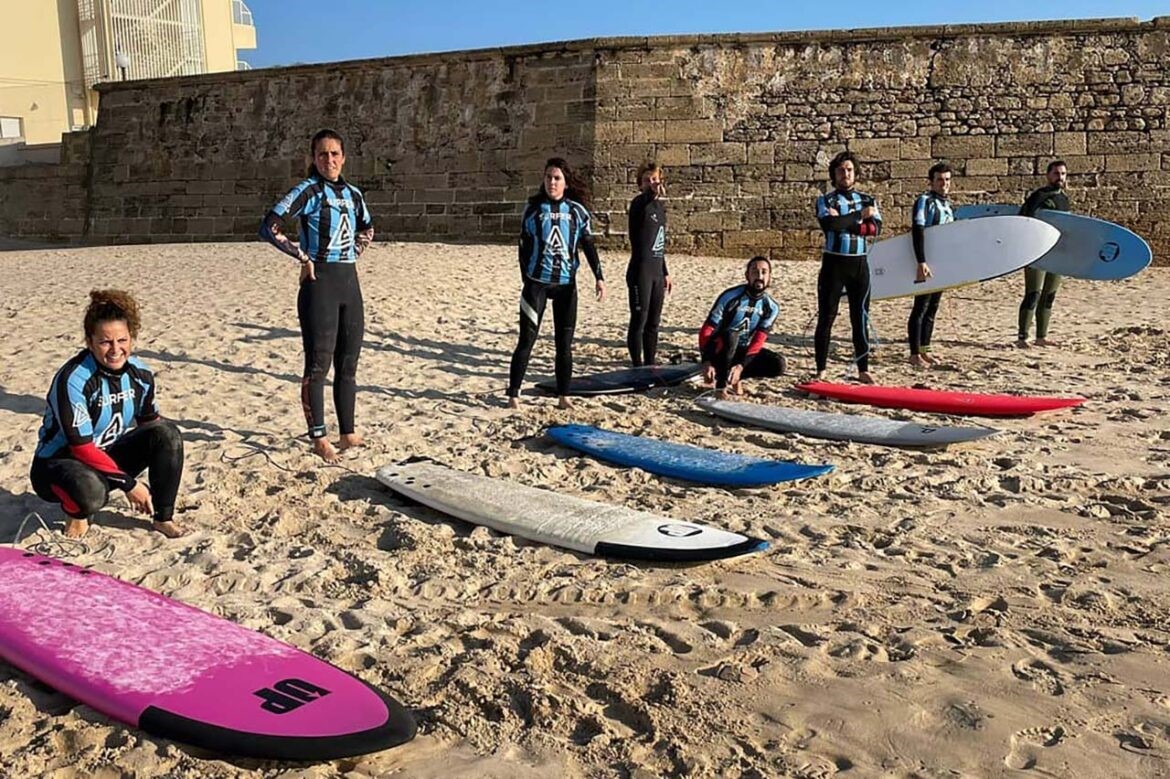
<point>555,226</point>
<point>102,427</point>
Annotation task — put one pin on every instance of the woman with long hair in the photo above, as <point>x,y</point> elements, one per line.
<point>556,226</point>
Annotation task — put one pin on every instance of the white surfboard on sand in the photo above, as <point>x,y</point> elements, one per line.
<point>562,520</point>
<point>958,253</point>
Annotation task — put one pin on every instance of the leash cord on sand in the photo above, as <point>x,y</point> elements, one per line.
<point>53,546</point>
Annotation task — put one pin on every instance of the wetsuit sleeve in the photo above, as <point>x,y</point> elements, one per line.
<point>365,225</point>
<point>844,223</point>
<point>637,214</point>
<point>271,227</point>
<point>709,346</point>
<point>70,407</point>
<point>588,246</point>
<point>527,237</point>
<point>871,227</point>
<point>1033,203</point>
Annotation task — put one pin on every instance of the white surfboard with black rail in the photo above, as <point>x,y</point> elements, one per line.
<point>562,520</point>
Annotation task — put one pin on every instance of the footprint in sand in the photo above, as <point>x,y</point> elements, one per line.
<point>1023,753</point>
<point>1043,677</point>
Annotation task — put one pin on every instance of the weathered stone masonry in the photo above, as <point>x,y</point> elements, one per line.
<point>447,146</point>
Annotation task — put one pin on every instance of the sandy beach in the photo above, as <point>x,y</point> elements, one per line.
<point>995,609</point>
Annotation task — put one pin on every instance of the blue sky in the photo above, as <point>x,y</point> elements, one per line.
<point>292,31</point>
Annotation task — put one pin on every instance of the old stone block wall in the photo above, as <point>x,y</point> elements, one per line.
<point>447,147</point>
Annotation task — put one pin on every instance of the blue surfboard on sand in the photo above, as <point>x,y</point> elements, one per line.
<point>1089,248</point>
<point>681,461</point>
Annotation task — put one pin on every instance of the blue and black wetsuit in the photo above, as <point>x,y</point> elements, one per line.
<point>646,276</point>
<point>335,227</point>
<point>101,429</point>
<point>844,266</point>
<point>1040,286</point>
<point>929,210</point>
<point>735,331</point>
<point>552,233</point>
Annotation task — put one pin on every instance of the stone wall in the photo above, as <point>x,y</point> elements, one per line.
<point>447,147</point>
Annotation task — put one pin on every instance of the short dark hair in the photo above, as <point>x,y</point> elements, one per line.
<point>757,258</point>
<point>839,160</point>
<point>937,168</point>
<point>1055,164</point>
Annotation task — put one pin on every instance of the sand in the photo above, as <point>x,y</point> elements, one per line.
<point>995,609</point>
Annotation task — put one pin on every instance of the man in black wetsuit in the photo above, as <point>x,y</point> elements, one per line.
<point>647,276</point>
<point>850,221</point>
<point>1040,286</point>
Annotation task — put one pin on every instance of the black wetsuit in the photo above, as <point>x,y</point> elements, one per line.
<point>1040,286</point>
<point>929,210</point>
<point>844,266</point>
<point>646,276</point>
<point>101,429</point>
<point>552,233</point>
<point>335,227</point>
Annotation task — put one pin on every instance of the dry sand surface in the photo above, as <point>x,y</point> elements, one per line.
<point>995,609</point>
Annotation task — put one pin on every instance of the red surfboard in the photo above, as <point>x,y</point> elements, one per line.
<point>938,401</point>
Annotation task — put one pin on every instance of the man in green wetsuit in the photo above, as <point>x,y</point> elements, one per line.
<point>1040,286</point>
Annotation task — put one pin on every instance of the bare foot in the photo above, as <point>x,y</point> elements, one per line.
<point>918,361</point>
<point>1023,344</point>
<point>564,402</point>
<point>76,528</point>
<point>737,388</point>
<point>168,529</point>
<point>927,359</point>
<point>323,449</point>
<point>819,376</point>
<point>1044,342</point>
<point>864,377</point>
<point>513,402</point>
<point>350,440</point>
<point>723,394</point>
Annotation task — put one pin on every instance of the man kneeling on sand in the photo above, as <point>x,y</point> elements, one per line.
<point>732,339</point>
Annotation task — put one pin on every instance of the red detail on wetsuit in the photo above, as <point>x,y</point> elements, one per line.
<point>868,228</point>
<point>705,333</point>
<point>756,343</point>
<point>67,503</point>
<point>98,460</point>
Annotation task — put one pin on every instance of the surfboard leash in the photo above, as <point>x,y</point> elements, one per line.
<point>53,546</point>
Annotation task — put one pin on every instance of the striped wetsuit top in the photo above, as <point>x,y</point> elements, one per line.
<point>735,317</point>
<point>848,204</point>
<point>552,232</point>
<point>931,210</point>
<point>332,214</point>
<point>90,406</point>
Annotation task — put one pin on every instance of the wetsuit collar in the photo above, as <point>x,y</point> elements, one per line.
<point>339,182</point>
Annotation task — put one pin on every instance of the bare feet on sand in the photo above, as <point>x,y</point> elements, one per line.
<point>1044,342</point>
<point>76,528</point>
<point>865,377</point>
<point>1022,344</point>
<point>168,529</point>
<point>350,440</point>
<point>513,402</point>
<point>564,402</point>
<point>918,361</point>
<point>323,449</point>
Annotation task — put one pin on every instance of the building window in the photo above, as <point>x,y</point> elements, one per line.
<point>10,127</point>
<point>241,14</point>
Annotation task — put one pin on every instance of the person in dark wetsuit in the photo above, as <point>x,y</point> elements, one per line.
<point>850,220</point>
<point>1040,286</point>
<point>102,428</point>
<point>647,276</point>
<point>335,228</point>
<point>556,226</point>
<point>732,338</point>
<point>932,208</point>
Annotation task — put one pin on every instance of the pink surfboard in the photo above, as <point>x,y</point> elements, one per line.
<point>180,673</point>
<point>938,401</point>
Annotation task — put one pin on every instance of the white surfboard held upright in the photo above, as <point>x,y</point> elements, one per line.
<point>958,253</point>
